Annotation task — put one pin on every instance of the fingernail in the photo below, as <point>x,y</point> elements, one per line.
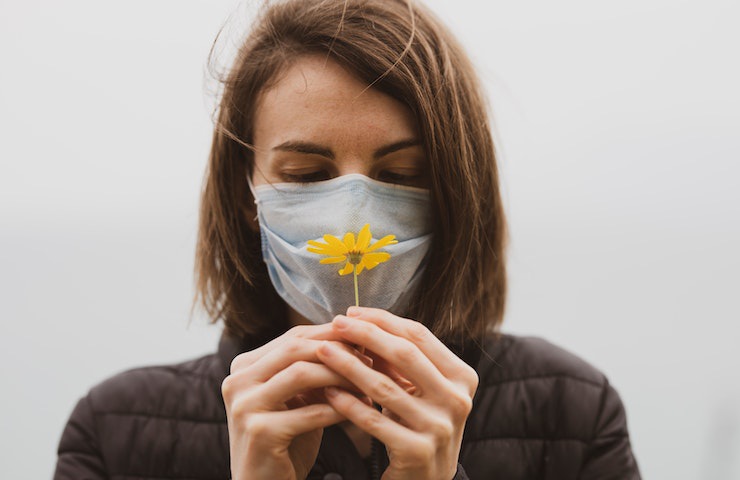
<point>331,391</point>
<point>340,321</point>
<point>353,312</point>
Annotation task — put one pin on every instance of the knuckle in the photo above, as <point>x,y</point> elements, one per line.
<point>406,354</point>
<point>417,332</point>
<point>442,430</point>
<point>468,373</point>
<point>298,331</point>
<point>470,379</point>
<point>292,346</point>
<point>370,421</point>
<point>318,415</point>
<point>227,388</point>
<point>240,408</point>
<point>298,371</point>
<point>460,405</point>
<point>256,425</point>
<point>383,390</point>
<point>386,316</point>
<point>239,411</point>
<point>426,452</point>
<point>361,330</point>
<point>239,362</point>
<point>474,379</point>
<point>419,453</point>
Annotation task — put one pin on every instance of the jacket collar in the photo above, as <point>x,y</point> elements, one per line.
<point>229,346</point>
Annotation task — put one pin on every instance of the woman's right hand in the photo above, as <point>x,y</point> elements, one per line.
<point>275,405</point>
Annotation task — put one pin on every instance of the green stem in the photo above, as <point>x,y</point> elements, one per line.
<point>357,304</point>
<point>357,295</point>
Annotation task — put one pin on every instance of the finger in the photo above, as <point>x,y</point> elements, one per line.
<point>313,332</point>
<point>376,385</point>
<point>449,364</point>
<point>368,419</point>
<point>402,354</point>
<point>288,424</point>
<point>298,378</point>
<point>293,350</point>
<point>298,401</point>
<point>382,365</point>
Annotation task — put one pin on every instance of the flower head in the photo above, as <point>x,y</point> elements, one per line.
<point>359,254</point>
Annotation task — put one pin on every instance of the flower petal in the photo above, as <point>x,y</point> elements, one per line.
<point>347,269</point>
<point>320,248</point>
<point>360,267</point>
<point>323,251</point>
<point>333,259</point>
<point>377,257</point>
<point>314,243</point>
<point>349,240</point>
<point>363,238</point>
<point>317,245</point>
<point>335,243</point>
<point>387,240</point>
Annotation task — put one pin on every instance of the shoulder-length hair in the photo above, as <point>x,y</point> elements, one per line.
<point>400,48</point>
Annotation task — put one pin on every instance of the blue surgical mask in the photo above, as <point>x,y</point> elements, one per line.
<point>290,214</point>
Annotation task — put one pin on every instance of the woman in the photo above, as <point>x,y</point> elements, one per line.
<point>338,115</point>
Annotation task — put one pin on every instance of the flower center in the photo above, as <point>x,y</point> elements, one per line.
<point>354,257</point>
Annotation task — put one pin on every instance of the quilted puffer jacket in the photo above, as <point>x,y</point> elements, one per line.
<point>539,413</point>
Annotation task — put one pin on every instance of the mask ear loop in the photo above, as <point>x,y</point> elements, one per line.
<point>254,196</point>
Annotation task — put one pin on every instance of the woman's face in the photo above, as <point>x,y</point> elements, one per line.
<point>319,121</point>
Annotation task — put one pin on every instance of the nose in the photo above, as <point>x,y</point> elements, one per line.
<point>353,163</point>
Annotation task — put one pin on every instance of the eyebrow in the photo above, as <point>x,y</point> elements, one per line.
<point>315,149</point>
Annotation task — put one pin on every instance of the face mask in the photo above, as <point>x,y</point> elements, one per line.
<point>290,214</point>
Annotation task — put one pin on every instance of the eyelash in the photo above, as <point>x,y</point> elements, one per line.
<point>316,176</point>
<point>319,175</point>
<point>392,177</point>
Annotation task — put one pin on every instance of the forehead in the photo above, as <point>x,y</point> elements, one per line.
<point>320,98</point>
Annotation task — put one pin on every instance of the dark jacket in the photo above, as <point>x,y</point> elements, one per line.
<point>539,413</point>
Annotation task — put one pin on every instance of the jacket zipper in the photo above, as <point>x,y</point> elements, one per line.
<point>375,452</point>
<point>374,461</point>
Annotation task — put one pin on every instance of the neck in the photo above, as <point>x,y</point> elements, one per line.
<point>361,440</point>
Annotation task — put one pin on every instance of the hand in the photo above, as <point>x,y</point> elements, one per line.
<point>275,407</point>
<point>426,391</point>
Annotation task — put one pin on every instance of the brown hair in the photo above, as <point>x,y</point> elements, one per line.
<point>403,50</point>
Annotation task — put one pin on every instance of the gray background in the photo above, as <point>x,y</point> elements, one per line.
<point>618,133</point>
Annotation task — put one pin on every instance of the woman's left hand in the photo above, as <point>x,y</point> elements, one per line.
<point>426,392</point>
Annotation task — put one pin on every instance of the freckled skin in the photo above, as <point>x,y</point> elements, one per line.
<point>321,102</point>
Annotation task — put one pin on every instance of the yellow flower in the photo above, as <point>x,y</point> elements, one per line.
<point>360,255</point>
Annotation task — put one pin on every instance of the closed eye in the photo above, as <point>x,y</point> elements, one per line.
<point>400,178</point>
<point>308,177</point>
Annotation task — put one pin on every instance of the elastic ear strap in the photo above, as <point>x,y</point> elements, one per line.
<point>251,189</point>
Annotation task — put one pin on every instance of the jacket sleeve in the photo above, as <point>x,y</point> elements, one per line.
<point>79,451</point>
<point>609,454</point>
